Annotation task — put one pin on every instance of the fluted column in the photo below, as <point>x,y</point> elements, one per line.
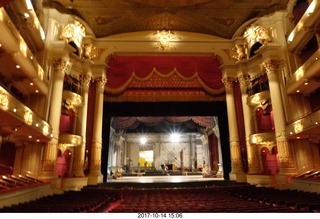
<point>252,150</point>
<point>58,68</point>
<point>95,175</point>
<point>237,172</point>
<point>79,152</point>
<point>272,68</point>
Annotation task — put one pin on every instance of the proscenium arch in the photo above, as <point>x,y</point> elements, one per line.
<point>214,108</point>
<point>190,43</point>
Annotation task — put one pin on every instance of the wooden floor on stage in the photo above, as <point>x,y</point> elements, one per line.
<point>166,181</point>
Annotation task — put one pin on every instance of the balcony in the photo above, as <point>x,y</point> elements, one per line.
<point>70,140</point>
<point>306,78</point>
<point>20,122</point>
<point>304,127</point>
<point>302,32</point>
<point>266,138</point>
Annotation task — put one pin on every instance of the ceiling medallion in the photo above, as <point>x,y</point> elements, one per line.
<point>165,39</point>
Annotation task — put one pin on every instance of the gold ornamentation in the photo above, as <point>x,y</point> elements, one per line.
<point>4,100</point>
<point>270,66</point>
<point>85,79</point>
<point>27,115</point>
<point>59,64</point>
<point>228,82</point>
<point>256,33</point>
<point>73,31</point>
<point>244,80</point>
<point>87,51</point>
<point>165,39</point>
<point>284,154</point>
<point>241,52</point>
<point>101,81</point>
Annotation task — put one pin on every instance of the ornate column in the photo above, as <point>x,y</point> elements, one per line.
<point>95,175</point>
<point>252,150</point>
<point>237,172</point>
<point>59,66</point>
<point>79,152</point>
<point>286,162</point>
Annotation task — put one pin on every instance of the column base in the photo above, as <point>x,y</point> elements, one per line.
<point>95,179</point>
<point>238,177</point>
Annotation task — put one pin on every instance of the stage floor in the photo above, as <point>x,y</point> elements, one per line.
<point>163,179</point>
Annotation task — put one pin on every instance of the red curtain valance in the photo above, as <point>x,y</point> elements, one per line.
<point>131,122</point>
<point>122,68</point>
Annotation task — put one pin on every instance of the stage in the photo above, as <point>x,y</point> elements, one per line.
<point>163,179</point>
<point>172,181</point>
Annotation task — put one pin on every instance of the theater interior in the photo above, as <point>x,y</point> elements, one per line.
<point>159,106</point>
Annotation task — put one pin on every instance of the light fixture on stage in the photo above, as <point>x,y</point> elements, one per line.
<point>175,137</point>
<point>143,140</point>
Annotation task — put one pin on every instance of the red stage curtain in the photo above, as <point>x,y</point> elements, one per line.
<point>122,68</point>
<point>126,122</point>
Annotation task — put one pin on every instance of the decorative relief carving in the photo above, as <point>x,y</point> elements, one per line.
<point>101,81</point>
<point>244,80</point>
<point>228,82</point>
<point>73,31</point>
<point>85,80</point>
<point>88,49</point>
<point>241,52</point>
<point>4,100</point>
<point>256,33</point>
<point>270,66</point>
<point>49,157</point>
<point>284,154</point>
<point>59,64</point>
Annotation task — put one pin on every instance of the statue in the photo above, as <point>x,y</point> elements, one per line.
<point>240,50</point>
<point>263,35</point>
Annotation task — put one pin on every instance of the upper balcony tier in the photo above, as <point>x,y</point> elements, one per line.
<point>306,78</point>
<point>18,64</point>
<point>19,121</point>
<point>304,29</point>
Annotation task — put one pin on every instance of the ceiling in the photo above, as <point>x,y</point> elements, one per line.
<point>218,18</point>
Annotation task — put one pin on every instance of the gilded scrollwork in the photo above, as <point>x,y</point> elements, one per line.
<point>73,31</point>
<point>255,33</point>
<point>101,81</point>
<point>241,52</point>
<point>244,80</point>
<point>85,79</point>
<point>228,82</point>
<point>60,64</point>
<point>88,50</point>
<point>270,66</point>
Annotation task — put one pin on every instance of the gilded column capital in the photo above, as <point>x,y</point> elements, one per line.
<point>60,64</point>
<point>101,81</point>
<point>85,80</point>
<point>270,65</point>
<point>243,80</point>
<point>228,82</point>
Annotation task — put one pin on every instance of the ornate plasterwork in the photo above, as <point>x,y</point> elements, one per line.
<point>88,51</point>
<point>228,82</point>
<point>270,66</point>
<point>255,33</point>
<point>73,31</point>
<point>215,18</point>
